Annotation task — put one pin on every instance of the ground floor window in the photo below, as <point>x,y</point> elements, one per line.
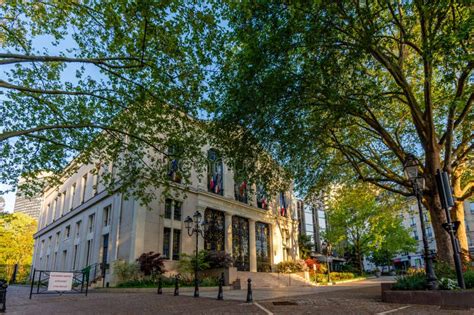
<point>166,242</point>
<point>240,243</point>
<point>176,244</point>
<point>214,236</point>
<point>262,238</point>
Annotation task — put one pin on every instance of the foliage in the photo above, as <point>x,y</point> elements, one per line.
<point>125,271</point>
<point>219,259</point>
<point>168,282</point>
<point>305,245</point>
<point>108,82</point>
<point>187,262</point>
<point>447,284</point>
<point>444,270</point>
<point>334,277</point>
<point>151,263</point>
<point>16,242</point>
<point>412,281</point>
<point>290,266</point>
<point>346,90</point>
<point>469,279</point>
<point>320,268</point>
<point>367,223</point>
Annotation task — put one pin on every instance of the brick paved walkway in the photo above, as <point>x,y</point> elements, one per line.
<point>363,298</point>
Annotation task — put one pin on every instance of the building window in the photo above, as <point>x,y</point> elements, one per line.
<point>91,223</point>
<point>55,206</point>
<point>415,235</point>
<point>63,204</point>
<point>177,211</point>
<point>176,244</point>
<point>425,216</point>
<point>166,242</point>
<point>84,187</point>
<point>215,172</point>
<point>174,173</point>
<point>42,248</point>
<point>67,232</point>
<point>64,262</point>
<point>96,178</point>
<point>472,207</point>
<point>240,189</point>
<point>283,205</point>
<point>107,215</point>
<point>429,232</point>
<point>74,258</point>
<point>412,221</point>
<point>78,228</point>
<point>89,252</point>
<point>73,195</point>
<point>262,201</point>
<point>48,213</point>
<point>58,235</point>
<point>168,208</point>
<point>214,234</point>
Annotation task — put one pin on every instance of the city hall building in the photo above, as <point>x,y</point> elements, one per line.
<point>81,224</point>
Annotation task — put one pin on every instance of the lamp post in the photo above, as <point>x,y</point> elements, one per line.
<point>328,247</point>
<point>198,228</point>
<point>411,172</point>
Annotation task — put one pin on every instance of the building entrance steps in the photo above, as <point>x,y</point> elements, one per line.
<point>272,280</point>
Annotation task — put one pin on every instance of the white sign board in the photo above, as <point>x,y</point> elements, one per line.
<point>60,281</point>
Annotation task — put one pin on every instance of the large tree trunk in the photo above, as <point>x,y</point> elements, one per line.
<point>433,203</point>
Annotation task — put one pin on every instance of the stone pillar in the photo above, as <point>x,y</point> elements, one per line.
<point>253,246</point>
<point>228,233</point>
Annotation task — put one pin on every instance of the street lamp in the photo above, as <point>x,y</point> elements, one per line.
<point>198,228</point>
<point>411,172</point>
<point>328,247</point>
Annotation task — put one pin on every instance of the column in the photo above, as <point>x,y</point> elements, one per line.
<point>253,246</point>
<point>228,233</point>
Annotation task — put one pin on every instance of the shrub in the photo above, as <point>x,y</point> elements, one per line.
<point>219,259</point>
<point>151,263</point>
<point>469,279</point>
<point>447,284</point>
<point>125,271</point>
<point>187,262</point>
<point>290,266</point>
<point>413,281</point>
<point>337,276</point>
<point>444,270</point>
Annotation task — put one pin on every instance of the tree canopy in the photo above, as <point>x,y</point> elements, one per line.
<point>113,82</point>
<point>367,222</point>
<point>344,89</point>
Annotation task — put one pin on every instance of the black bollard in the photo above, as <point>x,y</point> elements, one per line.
<point>3,295</point>
<point>249,291</point>
<point>176,285</point>
<point>160,290</point>
<point>220,295</point>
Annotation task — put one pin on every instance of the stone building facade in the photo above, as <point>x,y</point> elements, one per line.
<point>81,224</point>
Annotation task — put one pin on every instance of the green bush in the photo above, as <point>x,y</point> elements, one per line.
<point>447,284</point>
<point>169,282</point>
<point>126,272</point>
<point>469,279</point>
<point>444,270</point>
<point>414,281</point>
<point>337,276</point>
<point>290,266</point>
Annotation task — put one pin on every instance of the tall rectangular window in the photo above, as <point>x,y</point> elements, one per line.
<point>64,261</point>
<point>67,232</point>
<point>55,206</point>
<point>166,242</point>
<point>78,229</point>
<point>90,223</point>
<point>84,188</point>
<point>107,215</point>
<point>72,196</point>
<point>88,253</point>
<point>176,244</point>
<point>168,208</point>
<point>74,260</point>
<point>58,235</point>
<point>63,201</point>
<point>177,211</point>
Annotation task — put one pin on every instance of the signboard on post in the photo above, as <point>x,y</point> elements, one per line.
<point>60,281</point>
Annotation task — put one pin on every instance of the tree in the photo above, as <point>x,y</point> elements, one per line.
<point>16,240</point>
<point>368,223</point>
<point>107,83</point>
<point>305,245</point>
<point>338,90</point>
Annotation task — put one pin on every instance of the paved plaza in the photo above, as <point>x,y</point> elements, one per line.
<point>362,297</point>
